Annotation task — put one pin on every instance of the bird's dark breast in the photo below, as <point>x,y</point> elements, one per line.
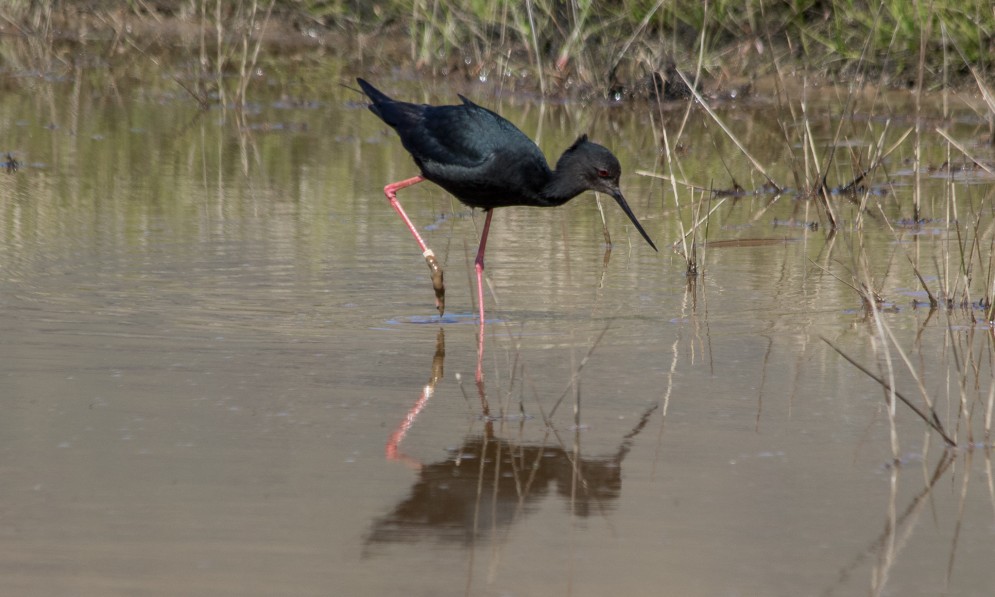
<point>482,195</point>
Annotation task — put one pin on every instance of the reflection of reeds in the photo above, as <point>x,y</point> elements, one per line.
<point>931,419</point>
<point>897,529</point>
<point>235,26</point>
<point>969,368</point>
<point>967,358</point>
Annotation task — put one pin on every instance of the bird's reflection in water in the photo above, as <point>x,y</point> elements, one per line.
<point>488,482</point>
<point>393,444</point>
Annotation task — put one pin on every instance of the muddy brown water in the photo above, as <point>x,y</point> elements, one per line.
<point>222,372</point>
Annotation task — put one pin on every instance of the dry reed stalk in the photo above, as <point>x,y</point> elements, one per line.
<point>732,137</point>
<point>535,47</point>
<point>933,302</point>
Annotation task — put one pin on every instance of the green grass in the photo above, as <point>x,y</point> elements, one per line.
<point>566,42</point>
<point>589,39</point>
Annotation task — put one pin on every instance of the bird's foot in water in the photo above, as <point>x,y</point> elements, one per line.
<point>437,283</point>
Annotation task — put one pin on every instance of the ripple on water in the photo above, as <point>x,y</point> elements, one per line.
<point>447,319</point>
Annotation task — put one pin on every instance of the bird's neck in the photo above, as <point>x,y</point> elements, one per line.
<point>561,187</point>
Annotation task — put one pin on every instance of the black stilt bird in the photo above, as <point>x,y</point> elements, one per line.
<point>485,162</point>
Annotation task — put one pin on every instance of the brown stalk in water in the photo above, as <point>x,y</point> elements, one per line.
<point>958,290</point>
<point>933,302</point>
<point>989,98</point>
<point>917,142</point>
<point>877,162</point>
<point>990,286</point>
<point>688,250</point>
<point>732,137</point>
<point>867,294</point>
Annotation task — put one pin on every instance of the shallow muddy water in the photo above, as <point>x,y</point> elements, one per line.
<point>223,374</point>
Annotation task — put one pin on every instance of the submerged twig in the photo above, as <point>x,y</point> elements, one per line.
<point>933,302</point>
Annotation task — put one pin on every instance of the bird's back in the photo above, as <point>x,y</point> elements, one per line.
<point>470,151</point>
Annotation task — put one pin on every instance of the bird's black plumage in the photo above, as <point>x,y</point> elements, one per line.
<point>486,162</point>
<point>470,151</point>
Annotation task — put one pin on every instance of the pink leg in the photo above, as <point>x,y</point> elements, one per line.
<point>433,264</point>
<point>478,263</point>
<point>479,266</point>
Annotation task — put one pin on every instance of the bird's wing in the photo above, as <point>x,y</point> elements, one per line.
<point>464,135</point>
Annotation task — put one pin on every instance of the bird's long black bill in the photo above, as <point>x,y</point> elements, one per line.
<point>625,207</point>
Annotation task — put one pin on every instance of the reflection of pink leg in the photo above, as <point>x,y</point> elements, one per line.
<point>433,265</point>
<point>480,354</point>
<point>479,266</point>
<point>393,450</point>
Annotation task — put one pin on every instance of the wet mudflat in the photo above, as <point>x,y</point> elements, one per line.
<point>222,372</point>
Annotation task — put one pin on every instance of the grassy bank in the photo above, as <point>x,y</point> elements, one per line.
<point>556,45</point>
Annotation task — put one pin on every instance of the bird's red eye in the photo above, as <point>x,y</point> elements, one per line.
<point>602,173</point>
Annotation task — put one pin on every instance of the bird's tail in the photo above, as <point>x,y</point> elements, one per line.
<point>376,96</point>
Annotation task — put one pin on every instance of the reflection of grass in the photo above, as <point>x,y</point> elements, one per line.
<point>927,415</point>
<point>966,357</point>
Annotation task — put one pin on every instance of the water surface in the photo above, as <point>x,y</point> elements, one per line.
<point>223,373</point>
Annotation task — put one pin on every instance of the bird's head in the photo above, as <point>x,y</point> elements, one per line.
<point>593,167</point>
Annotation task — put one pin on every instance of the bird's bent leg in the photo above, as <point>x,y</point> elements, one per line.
<point>433,263</point>
<point>478,264</point>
